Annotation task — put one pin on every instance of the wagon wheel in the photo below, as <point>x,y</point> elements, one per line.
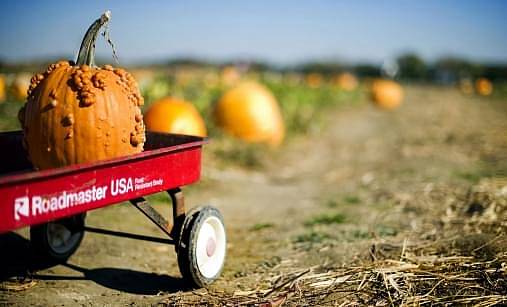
<point>202,247</point>
<point>58,240</point>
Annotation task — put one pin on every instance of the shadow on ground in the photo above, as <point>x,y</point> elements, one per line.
<point>17,258</point>
<point>18,262</point>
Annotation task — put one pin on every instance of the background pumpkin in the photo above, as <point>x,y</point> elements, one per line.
<point>346,81</point>
<point>82,113</point>
<point>19,86</point>
<point>466,86</point>
<point>172,115</point>
<point>483,87</point>
<point>2,88</point>
<point>229,76</point>
<point>314,80</point>
<point>386,94</point>
<point>250,112</point>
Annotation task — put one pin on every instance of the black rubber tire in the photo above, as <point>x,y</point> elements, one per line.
<point>40,238</point>
<point>186,249</point>
<point>189,217</point>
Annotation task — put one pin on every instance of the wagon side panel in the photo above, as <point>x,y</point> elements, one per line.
<point>40,200</point>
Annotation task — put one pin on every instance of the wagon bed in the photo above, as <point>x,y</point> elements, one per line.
<point>58,198</point>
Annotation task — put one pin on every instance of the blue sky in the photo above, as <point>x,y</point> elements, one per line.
<point>281,32</point>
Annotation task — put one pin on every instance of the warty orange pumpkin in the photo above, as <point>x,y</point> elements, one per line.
<point>172,115</point>
<point>386,94</point>
<point>78,113</point>
<point>250,112</point>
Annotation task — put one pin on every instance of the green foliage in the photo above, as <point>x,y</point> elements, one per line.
<point>261,226</point>
<point>303,106</point>
<point>480,171</point>
<point>359,234</point>
<point>243,154</point>
<point>9,115</point>
<point>312,237</point>
<point>347,200</point>
<point>352,199</point>
<point>459,67</point>
<point>326,68</point>
<point>326,219</point>
<point>412,67</point>
<point>385,231</point>
<point>500,90</point>
<point>331,203</point>
<point>158,198</point>
<point>367,70</point>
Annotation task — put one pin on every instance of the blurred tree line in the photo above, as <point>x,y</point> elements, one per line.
<point>447,69</point>
<point>411,67</point>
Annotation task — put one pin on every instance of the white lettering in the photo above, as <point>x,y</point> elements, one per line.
<point>121,186</point>
<point>61,201</point>
<point>43,205</point>
<point>144,185</point>
<point>53,203</point>
<point>36,205</point>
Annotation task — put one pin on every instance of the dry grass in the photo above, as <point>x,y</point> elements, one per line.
<point>457,256</point>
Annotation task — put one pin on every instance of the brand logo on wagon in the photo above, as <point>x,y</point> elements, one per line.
<point>31,206</point>
<point>21,207</point>
<point>35,205</point>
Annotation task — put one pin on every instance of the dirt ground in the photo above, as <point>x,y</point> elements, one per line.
<point>321,200</point>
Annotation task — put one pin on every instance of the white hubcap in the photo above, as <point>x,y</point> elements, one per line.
<point>210,248</point>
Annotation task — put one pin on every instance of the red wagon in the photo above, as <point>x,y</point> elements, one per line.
<point>54,202</point>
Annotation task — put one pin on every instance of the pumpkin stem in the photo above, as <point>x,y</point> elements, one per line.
<point>86,55</point>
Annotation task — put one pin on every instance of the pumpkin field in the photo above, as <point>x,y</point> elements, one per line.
<point>358,205</point>
<point>330,154</point>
